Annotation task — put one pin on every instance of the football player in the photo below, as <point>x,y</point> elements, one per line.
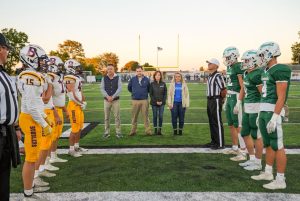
<point>233,102</point>
<point>33,121</point>
<point>76,105</point>
<point>55,70</point>
<point>276,81</point>
<point>251,94</point>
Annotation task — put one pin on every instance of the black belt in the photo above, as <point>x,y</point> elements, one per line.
<point>213,97</point>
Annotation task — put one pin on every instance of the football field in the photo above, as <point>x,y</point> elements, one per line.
<point>167,172</point>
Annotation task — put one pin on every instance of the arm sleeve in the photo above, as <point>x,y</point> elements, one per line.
<point>257,80</point>
<point>102,88</point>
<point>148,86</point>
<point>239,71</point>
<point>130,85</point>
<point>117,93</point>
<point>33,104</point>
<point>283,76</point>
<point>165,93</point>
<point>71,97</point>
<point>151,91</point>
<point>220,82</point>
<point>187,97</point>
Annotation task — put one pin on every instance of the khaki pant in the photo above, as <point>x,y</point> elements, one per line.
<point>115,107</point>
<point>143,106</point>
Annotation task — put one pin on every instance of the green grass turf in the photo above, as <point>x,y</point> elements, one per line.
<point>193,135</point>
<point>195,114</point>
<point>158,172</point>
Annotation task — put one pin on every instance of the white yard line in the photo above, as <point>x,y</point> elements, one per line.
<point>163,196</point>
<point>168,123</point>
<point>159,151</point>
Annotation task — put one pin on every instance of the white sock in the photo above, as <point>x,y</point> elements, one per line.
<point>72,148</point>
<point>241,141</point>
<point>41,168</point>
<point>258,160</point>
<point>76,145</point>
<point>269,169</point>
<point>28,192</point>
<point>53,154</point>
<point>280,176</point>
<point>252,157</point>
<point>235,147</point>
<point>47,162</point>
<point>36,174</point>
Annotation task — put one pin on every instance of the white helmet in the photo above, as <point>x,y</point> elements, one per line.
<point>266,52</point>
<point>56,61</point>
<point>249,59</point>
<point>53,69</point>
<point>73,67</point>
<point>33,56</point>
<point>230,55</point>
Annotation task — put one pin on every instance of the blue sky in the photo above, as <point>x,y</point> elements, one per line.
<point>205,27</point>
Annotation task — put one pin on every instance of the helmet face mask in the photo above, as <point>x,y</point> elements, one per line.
<point>53,69</point>
<point>34,57</point>
<point>249,59</point>
<point>266,52</point>
<point>230,56</point>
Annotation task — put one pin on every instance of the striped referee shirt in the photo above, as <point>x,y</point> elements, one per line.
<point>215,84</point>
<point>8,99</point>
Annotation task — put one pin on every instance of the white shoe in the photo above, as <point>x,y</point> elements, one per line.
<point>247,163</point>
<point>230,151</point>
<point>74,154</point>
<point>253,166</point>
<point>263,176</point>
<point>38,182</point>
<point>240,157</point>
<point>275,184</point>
<point>40,189</point>
<point>81,149</point>
<point>46,173</point>
<point>34,197</point>
<point>51,167</point>
<point>57,160</point>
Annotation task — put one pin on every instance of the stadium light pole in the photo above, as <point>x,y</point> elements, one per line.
<point>157,50</point>
<point>157,57</point>
<point>139,48</point>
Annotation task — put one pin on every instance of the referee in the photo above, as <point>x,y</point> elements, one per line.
<point>216,92</point>
<point>9,150</point>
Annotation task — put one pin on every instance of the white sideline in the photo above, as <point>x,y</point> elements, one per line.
<point>159,151</point>
<point>163,196</point>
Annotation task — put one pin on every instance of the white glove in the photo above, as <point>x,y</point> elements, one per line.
<point>83,106</point>
<point>224,105</point>
<point>237,107</point>
<point>272,124</point>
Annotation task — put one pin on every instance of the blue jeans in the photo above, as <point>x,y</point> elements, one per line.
<point>158,112</point>
<point>177,112</point>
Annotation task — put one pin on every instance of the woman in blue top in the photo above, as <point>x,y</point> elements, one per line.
<point>178,101</point>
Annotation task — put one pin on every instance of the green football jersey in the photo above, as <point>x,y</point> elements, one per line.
<point>277,73</point>
<point>232,81</point>
<point>251,81</point>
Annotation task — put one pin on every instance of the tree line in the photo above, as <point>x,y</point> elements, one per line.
<point>70,49</point>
